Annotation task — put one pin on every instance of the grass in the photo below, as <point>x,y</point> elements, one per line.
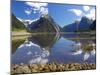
<point>18,30</point>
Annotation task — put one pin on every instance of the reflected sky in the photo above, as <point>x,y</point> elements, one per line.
<point>42,49</point>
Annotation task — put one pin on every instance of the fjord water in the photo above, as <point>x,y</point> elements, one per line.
<point>48,48</point>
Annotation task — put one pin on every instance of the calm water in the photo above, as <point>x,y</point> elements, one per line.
<point>65,48</point>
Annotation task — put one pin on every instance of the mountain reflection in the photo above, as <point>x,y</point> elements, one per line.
<point>84,45</point>
<point>46,41</point>
<point>35,49</point>
<point>47,48</point>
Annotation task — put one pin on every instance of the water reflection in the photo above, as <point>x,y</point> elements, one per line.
<point>29,52</point>
<point>35,49</point>
<point>47,48</point>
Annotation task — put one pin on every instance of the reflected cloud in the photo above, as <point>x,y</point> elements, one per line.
<point>45,53</point>
<point>41,49</point>
<point>28,43</point>
<point>77,52</point>
<point>38,60</point>
<point>86,56</point>
<point>29,53</point>
<point>32,53</point>
<point>41,59</point>
<point>86,53</point>
<point>93,52</point>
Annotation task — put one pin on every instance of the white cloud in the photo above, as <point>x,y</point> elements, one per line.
<point>38,7</point>
<point>76,11</point>
<point>91,14</point>
<point>28,12</point>
<point>86,8</point>
<point>44,10</point>
<point>79,19</point>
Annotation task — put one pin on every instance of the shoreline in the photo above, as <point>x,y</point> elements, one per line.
<point>52,67</point>
<point>28,33</point>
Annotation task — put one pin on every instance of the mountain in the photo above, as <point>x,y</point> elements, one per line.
<point>16,24</point>
<point>71,27</point>
<point>93,25</point>
<point>44,24</point>
<point>82,25</point>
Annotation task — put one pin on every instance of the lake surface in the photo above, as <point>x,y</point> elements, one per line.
<point>48,48</point>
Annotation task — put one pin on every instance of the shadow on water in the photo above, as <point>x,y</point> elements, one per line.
<point>59,48</point>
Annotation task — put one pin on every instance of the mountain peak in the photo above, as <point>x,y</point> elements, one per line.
<point>44,24</point>
<point>45,16</point>
<point>86,18</point>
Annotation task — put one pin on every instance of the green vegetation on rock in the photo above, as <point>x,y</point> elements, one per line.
<point>16,24</point>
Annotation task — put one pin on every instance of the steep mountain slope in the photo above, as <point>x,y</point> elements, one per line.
<point>84,24</point>
<point>16,24</point>
<point>93,25</point>
<point>44,24</point>
<point>71,27</point>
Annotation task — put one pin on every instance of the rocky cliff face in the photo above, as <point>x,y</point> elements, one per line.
<point>44,24</point>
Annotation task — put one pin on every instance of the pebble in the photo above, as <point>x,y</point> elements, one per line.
<point>53,67</point>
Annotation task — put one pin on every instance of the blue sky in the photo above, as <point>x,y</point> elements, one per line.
<point>63,14</point>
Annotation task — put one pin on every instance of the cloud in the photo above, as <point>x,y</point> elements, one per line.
<point>88,11</point>
<point>79,19</point>
<point>44,10</point>
<point>38,7</point>
<point>86,8</point>
<point>91,14</point>
<point>28,12</point>
<point>76,11</point>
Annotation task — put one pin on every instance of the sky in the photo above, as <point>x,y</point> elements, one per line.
<point>63,14</point>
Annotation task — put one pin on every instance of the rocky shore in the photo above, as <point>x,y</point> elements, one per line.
<point>53,67</point>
